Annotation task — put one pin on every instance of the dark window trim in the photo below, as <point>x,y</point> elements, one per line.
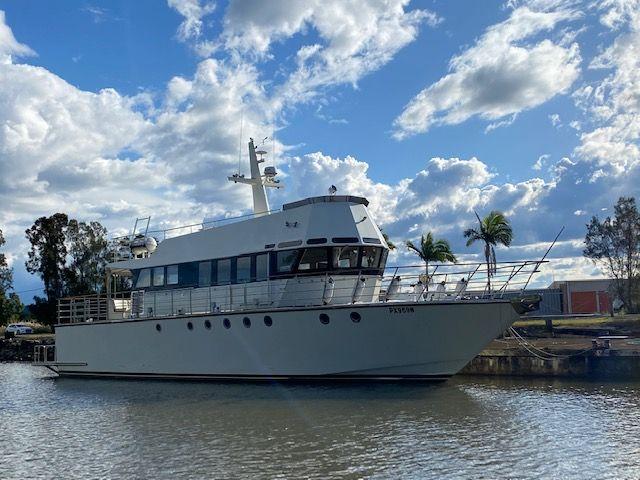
<point>345,240</point>
<point>375,241</point>
<point>316,241</point>
<point>291,243</point>
<point>271,268</point>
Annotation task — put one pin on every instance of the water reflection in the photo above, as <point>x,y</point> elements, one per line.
<point>468,427</point>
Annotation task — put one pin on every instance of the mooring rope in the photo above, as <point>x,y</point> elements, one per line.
<point>538,352</point>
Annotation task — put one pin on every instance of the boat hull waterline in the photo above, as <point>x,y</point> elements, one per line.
<point>385,341</point>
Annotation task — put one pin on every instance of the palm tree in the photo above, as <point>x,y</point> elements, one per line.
<point>431,250</point>
<point>493,229</point>
<point>390,244</point>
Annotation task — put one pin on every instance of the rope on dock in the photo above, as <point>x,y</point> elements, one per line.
<point>538,352</point>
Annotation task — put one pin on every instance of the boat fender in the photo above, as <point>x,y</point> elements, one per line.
<point>329,287</point>
<point>357,293</point>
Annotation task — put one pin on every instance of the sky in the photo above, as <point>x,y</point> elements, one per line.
<point>432,109</point>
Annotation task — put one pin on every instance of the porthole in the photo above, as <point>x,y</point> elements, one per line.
<point>268,321</point>
<point>190,325</point>
<point>355,317</point>
<point>324,318</point>
<point>158,327</point>
<point>246,321</point>
<point>226,323</point>
<point>207,324</point>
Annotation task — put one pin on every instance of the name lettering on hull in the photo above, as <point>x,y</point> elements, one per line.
<point>401,310</point>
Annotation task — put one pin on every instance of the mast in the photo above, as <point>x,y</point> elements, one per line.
<point>258,181</point>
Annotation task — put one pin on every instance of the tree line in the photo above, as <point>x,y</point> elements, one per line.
<point>68,255</point>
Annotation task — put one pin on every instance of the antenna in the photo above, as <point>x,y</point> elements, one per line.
<point>258,181</point>
<point>240,140</point>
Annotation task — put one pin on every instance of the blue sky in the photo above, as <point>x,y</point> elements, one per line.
<point>431,108</point>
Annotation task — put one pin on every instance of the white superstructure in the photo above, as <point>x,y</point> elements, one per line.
<point>298,293</point>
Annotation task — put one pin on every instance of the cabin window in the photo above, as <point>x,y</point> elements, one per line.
<point>314,259</point>
<point>262,266</point>
<point>158,277</point>
<point>285,260</point>
<point>144,278</point>
<point>224,271</point>
<point>383,258</point>
<point>204,274</point>
<point>345,240</point>
<point>243,272</point>
<point>345,257</point>
<point>172,275</point>
<point>188,273</point>
<point>370,257</point>
<point>316,241</point>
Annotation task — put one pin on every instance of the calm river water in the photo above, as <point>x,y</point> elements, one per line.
<point>465,428</point>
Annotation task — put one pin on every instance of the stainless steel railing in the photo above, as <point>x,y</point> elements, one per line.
<point>444,282</point>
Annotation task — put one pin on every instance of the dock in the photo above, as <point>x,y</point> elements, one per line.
<point>568,356</point>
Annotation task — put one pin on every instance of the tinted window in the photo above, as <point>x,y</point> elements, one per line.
<point>144,278</point>
<point>316,241</point>
<point>204,274</point>
<point>314,259</point>
<point>224,271</point>
<point>370,257</point>
<point>285,260</point>
<point>172,275</point>
<point>383,258</point>
<point>262,266</point>
<point>243,273</point>
<point>158,276</point>
<point>345,240</point>
<point>345,257</point>
<point>188,273</point>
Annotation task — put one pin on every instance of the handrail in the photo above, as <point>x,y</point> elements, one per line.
<point>305,289</point>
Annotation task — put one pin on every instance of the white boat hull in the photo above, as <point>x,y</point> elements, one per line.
<point>391,341</point>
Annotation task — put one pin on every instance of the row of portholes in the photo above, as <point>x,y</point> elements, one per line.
<point>355,318</point>
<point>226,323</point>
<point>268,321</point>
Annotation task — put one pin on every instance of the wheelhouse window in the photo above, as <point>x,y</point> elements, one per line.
<point>204,274</point>
<point>172,275</point>
<point>314,259</point>
<point>158,277</point>
<point>285,260</point>
<point>370,257</point>
<point>262,266</point>
<point>243,272</point>
<point>345,257</point>
<point>144,278</point>
<point>224,271</point>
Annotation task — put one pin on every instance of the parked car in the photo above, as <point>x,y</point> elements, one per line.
<point>19,328</point>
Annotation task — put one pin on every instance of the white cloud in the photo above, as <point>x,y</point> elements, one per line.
<point>502,74</point>
<point>193,12</point>
<point>614,104</point>
<point>354,38</point>
<point>555,119</point>
<point>541,161</point>
<point>8,44</point>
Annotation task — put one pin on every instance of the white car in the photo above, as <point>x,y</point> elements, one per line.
<point>19,328</point>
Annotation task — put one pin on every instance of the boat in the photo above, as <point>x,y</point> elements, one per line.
<point>299,293</point>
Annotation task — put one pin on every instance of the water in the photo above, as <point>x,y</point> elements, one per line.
<point>465,428</point>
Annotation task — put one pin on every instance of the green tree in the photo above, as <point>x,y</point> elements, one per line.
<point>10,305</point>
<point>492,230</point>
<point>391,245</point>
<point>47,258</point>
<point>87,248</point>
<point>614,245</point>
<point>430,250</point>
